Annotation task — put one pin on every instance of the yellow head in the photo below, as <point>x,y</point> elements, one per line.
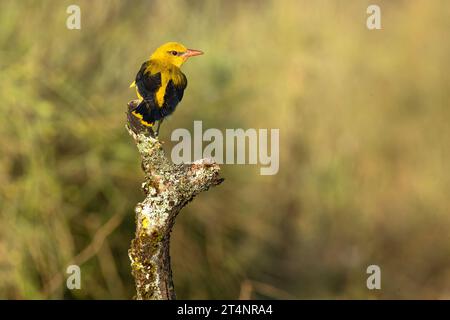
<point>174,53</point>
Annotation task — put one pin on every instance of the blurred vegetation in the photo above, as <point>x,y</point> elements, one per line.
<point>364,142</point>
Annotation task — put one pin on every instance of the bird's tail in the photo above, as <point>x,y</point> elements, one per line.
<point>147,113</point>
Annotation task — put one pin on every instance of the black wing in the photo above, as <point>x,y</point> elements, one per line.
<point>173,96</point>
<point>147,85</point>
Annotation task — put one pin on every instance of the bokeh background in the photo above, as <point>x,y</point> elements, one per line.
<point>364,147</point>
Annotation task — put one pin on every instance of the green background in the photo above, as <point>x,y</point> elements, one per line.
<point>364,147</point>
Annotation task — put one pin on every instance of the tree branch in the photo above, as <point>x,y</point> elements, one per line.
<point>168,188</point>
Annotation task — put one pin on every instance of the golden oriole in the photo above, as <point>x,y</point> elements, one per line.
<point>160,83</point>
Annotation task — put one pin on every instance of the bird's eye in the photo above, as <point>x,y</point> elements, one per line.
<point>174,53</point>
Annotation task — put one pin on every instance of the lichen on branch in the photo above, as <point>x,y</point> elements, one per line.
<point>168,188</point>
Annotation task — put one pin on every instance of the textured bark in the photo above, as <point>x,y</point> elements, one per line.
<point>168,188</point>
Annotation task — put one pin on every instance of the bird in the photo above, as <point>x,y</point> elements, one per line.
<point>160,84</point>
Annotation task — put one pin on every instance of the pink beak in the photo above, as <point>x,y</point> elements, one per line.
<point>192,53</point>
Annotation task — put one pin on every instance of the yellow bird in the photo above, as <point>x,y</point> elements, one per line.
<point>160,83</point>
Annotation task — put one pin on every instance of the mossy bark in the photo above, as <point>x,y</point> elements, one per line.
<point>168,188</point>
